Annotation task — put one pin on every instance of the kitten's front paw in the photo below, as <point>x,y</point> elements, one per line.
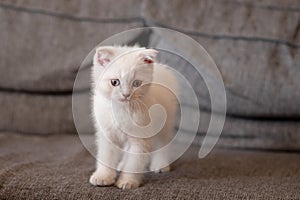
<point>102,178</point>
<point>127,184</point>
<point>162,170</point>
<point>128,181</point>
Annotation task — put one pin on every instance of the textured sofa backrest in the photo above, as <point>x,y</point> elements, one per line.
<point>255,45</point>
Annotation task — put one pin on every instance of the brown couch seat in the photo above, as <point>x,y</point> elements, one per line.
<point>58,167</point>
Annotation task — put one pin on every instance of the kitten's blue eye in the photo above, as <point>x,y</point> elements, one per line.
<point>115,82</point>
<point>137,83</point>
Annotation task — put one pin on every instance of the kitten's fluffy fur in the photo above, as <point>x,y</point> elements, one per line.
<point>132,101</point>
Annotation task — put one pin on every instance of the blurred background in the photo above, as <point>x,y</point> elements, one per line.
<point>254,44</point>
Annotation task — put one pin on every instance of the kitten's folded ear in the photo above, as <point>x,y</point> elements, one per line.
<point>103,56</point>
<point>148,56</point>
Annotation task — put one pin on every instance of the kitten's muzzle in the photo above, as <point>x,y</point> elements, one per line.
<point>126,97</point>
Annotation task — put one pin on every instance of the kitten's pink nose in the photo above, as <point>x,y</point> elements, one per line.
<point>126,95</point>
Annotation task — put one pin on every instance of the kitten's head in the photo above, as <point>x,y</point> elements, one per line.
<point>123,73</point>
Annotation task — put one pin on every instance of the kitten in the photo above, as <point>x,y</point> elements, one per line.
<point>123,92</point>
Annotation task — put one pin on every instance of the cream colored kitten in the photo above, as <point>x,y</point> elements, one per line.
<point>123,93</point>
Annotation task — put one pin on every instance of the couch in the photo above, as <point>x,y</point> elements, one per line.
<point>255,45</point>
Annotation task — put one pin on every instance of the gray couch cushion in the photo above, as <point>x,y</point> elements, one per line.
<point>43,44</point>
<point>254,44</point>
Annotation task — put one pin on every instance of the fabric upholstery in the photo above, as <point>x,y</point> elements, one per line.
<point>255,45</point>
<point>58,167</point>
<point>43,45</point>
